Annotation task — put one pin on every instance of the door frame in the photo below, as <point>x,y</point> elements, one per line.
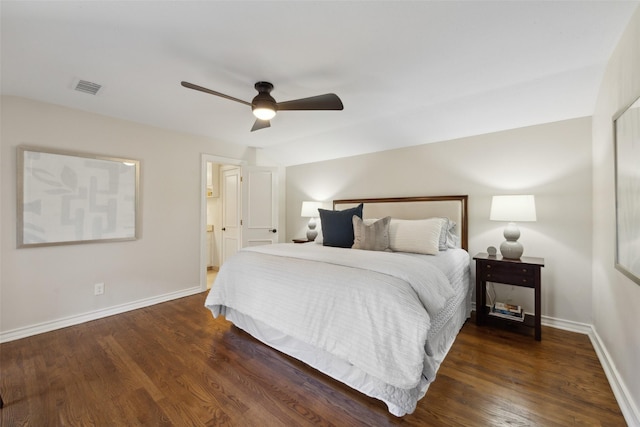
<point>204,159</point>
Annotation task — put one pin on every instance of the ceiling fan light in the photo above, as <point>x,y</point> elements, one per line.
<point>264,113</point>
<point>263,105</point>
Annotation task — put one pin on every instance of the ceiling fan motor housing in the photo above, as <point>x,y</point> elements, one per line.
<point>263,99</point>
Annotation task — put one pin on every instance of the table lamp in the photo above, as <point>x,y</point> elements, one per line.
<point>310,210</point>
<point>512,209</point>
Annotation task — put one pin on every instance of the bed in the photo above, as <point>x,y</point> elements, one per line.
<point>379,319</point>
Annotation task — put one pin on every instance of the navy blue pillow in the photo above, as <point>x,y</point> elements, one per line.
<point>337,226</point>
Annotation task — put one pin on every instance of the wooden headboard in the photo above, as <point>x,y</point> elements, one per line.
<point>452,207</point>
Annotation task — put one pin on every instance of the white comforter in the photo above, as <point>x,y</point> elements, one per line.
<point>372,309</point>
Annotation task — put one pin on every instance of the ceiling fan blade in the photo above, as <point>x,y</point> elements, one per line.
<point>213,92</point>
<point>328,101</point>
<point>260,124</point>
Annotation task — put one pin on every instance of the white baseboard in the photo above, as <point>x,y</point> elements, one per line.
<point>40,328</point>
<point>567,325</point>
<point>620,391</point>
<point>629,410</point>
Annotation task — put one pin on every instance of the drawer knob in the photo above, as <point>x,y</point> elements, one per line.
<point>488,266</point>
<point>524,270</point>
<point>524,280</point>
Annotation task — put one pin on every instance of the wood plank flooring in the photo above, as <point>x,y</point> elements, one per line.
<point>173,364</point>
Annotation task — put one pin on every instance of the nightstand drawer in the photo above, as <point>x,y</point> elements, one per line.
<point>508,277</point>
<point>514,274</point>
<point>520,270</point>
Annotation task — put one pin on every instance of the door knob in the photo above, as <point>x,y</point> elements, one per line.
<point>224,228</point>
<point>273,230</point>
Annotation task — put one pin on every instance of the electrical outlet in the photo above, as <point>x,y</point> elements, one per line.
<point>98,289</point>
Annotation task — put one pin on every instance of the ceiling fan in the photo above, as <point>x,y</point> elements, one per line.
<point>264,107</point>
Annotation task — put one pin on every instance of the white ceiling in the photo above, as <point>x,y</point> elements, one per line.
<point>408,72</point>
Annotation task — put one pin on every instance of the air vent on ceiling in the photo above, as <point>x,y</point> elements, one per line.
<point>87,87</point>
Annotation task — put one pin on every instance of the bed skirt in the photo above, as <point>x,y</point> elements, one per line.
<point>399,401</point>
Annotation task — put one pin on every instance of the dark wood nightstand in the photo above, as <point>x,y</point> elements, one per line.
<point>524,272</point>
<point>301,240</point>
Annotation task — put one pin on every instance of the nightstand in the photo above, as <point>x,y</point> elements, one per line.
<point>524,272</point>
<point>301,240</point>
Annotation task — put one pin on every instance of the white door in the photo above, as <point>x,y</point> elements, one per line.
<point>231,231</point>
<point>259,206</point>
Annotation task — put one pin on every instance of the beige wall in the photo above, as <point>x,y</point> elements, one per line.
<point>551,161</point>
<point>616,298</point>
<point>42,286</point>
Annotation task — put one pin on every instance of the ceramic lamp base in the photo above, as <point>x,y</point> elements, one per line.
<point>312,233</point>
<point>511,250</point>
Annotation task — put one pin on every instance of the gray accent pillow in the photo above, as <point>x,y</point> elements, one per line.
<point>373,237</point>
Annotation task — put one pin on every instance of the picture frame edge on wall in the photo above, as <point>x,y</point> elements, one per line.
<point>627,192</point>
<point>66,197</point>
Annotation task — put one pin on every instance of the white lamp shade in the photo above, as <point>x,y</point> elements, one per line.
<point>513,208</point>
<point>310,209</point>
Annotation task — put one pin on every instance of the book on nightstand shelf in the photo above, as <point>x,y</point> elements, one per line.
<point>507,311</point>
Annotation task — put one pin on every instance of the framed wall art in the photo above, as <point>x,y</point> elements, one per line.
<point>627,179</point>
<point>68,198</point>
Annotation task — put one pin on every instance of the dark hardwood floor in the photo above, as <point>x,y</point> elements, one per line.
<point>173,364</point>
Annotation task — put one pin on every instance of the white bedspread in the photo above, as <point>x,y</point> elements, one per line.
<point>372,309</point>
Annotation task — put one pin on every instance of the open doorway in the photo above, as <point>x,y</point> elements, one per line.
<point>212,201</point>
<point>253,197</point>
<point>211,216</point>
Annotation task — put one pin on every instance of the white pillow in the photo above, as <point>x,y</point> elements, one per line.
<point>448,240</point>
<point>420,236</point>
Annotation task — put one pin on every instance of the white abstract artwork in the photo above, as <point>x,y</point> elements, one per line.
<point>627,131</point>
<point>66,198</point>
